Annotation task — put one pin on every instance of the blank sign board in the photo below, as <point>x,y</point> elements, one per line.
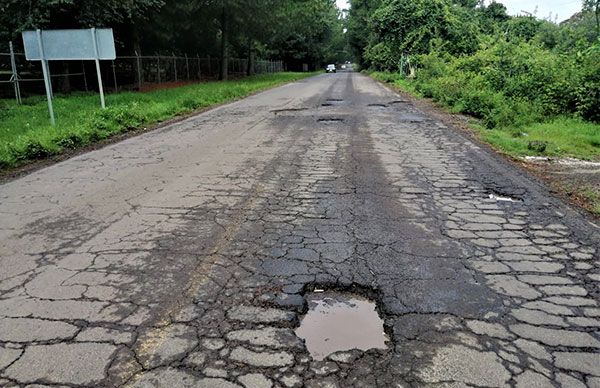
<point>70,44</point>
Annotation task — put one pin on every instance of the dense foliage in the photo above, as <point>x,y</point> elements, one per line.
<point>298,31</point>
<point>475,58</point>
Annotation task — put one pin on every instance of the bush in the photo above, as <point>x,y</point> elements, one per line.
<point>587,92</point>
<point>512,83</point>
<point>31,149</point>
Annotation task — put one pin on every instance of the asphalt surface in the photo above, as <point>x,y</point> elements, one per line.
<point>180,257</point>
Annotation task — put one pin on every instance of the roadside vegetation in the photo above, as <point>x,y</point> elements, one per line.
<point>26,134</point>
<point>297,32</point>
<point>532,85</point>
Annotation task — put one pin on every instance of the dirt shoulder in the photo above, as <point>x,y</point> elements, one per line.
<point>577,182</point>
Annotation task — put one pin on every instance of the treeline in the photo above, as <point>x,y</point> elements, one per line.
<point>295,31</point>
<point>475,58</point>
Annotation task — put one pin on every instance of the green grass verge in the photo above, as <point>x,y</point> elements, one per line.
<point>559,137</point>
<point>396,80</point>
<point>26,134</point>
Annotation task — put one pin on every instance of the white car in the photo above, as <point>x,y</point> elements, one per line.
<point>331,69</point>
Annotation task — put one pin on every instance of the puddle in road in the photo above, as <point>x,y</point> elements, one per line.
<point>339,321</point>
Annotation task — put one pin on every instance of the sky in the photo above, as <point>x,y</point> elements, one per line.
<point>563,8</point>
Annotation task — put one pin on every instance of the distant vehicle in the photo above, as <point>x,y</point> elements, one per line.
<point>343,67</point>
<point>331,69</point>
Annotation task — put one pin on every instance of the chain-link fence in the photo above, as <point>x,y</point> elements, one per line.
<point>21,77</point>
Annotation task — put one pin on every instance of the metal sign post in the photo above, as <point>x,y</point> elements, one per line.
<point>15,74</point>
<point>69,45</point>
<point>97,59</point>
<point>47,80</point>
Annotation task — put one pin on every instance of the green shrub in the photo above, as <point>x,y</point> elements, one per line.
<point>31,149</point>
<point>71,140</point>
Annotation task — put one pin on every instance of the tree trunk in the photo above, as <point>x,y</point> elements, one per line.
<point>224,43</point>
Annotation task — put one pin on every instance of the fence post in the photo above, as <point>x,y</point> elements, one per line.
<point>15,74</point>
<point>187,67</point>
<point>85,84</point>
<point>158,67</point>
<point>115,76</point>
<point>138,61</point>
<point>199,68</point>
<point>209,67</point>
<point>174,65</point>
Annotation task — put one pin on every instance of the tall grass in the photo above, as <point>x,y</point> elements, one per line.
<point>26,134</point>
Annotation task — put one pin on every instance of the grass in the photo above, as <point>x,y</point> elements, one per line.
<point>397,81</point>
<point>593,197</point>
<point>558,137</point>
<point>26,133</point>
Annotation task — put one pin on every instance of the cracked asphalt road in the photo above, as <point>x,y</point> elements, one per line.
<point>180,257</point>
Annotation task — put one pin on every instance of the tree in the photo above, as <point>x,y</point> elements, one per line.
<point>593,6</point>
<point>18,15</point>
<point>411,26</point>
<point>496,12</point>
<point>305,31</point>
<point>360,31</point>
<point>302,31</point>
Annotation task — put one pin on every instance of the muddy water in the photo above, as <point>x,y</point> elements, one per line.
<point>340,321</point>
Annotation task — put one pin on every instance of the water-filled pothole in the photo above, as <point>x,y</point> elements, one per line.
<point>503,197</point>
<point>338,321</point>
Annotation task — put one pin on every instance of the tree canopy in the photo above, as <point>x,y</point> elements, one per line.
<point>297,31</point>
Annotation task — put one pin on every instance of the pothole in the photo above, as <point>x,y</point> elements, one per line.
<point>338,321</point>
<point>503,198</point>
<point>398,102</point>
<point>277,111</point>
<point>378,105</point>
<point>330,120</point>
<point>334,100</point>
<point>411,118</point>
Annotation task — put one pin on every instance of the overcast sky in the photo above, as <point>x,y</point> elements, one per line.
<point>564,8</point>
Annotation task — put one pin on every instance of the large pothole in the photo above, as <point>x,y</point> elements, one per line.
<point>338,321</point>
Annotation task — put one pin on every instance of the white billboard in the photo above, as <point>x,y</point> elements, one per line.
<point>66,45</point>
